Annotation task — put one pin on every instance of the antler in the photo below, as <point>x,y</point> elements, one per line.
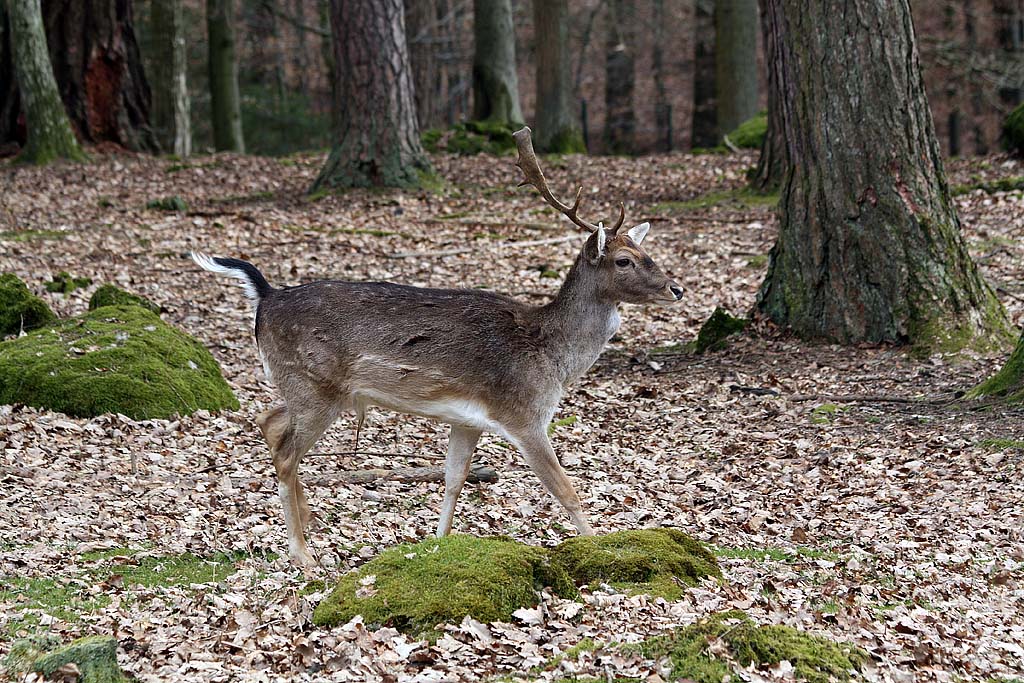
<point>532,175</point>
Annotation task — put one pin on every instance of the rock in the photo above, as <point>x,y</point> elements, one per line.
<point>115,359</point>
<point>92,659</point>
<point>111,295</point>
<point>19,308</point>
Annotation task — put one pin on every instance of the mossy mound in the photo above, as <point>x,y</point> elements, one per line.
<point>19,308</point>
<point>715,648</point>
<point>472,137</point>
<point>653,561</point>
<point>95,657</point>
<point>174,203</point>
<point>121,359</point>
<point>414,587</point>
<point>111,295</point>
<point>1013,131</point>
<point>65,283</point>
<point>750,134</point>
<point>1008,383</point>
<point>716,329</point>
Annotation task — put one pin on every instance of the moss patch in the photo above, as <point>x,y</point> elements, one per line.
<point>111,295</point>
<point>121,359</point>
<point>1001,444</point>
<point>750,134</point>
<point>1011,184</point>
<point>472,137</point>
<point>95,657</point>
<point>823,414</point>
<point>1008,383</point>
<point>653,561</point>
<point>19,308</point>
<point>1013,131</point>
<point>716,329</point>
<point>65,283</point>
<point>174,203</point>
<point>35,596</point>
<point>689,651</point>
<point>414,587</point>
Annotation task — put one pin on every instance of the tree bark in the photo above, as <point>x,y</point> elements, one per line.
<point>223,66</point>
<point>705,124</point>
<point>12,126</point>
<point>378,139</point>
<point>495,84</point>
<point>49,131</point>
<point>557,128</point>
<point>168,68</point>
<point>620,61</point>
<point>735,62</point>
<point>662,108</point>
<point>869,246</point>
<point>772,164</point>
<point>1008,383</point>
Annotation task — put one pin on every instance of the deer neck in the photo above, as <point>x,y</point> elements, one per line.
<point>577,323</point>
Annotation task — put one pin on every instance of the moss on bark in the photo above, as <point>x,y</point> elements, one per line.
<point>94,656</point>
<point>1008,383</point>
<point>19,308</point>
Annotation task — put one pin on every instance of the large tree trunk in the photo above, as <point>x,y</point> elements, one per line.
<point>735,62</point>
<point>1008,383</point>
<point>12,125</point>
<point>620,76</point>
<point>49,131</point>
<point>771,166</point>
<point>168,67</point>
<point>378,138</point>
<point>557,129</point>
<point>98,67</point>
<point>224,98</point>
<point>705,124</point>
<point>869,247</point>
<point>495,84</point>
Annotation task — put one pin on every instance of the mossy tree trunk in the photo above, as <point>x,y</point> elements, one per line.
<point>736,28</point>
<point>556,126</point>
<point>378,139</point>
<point>168,68</point>
<point>869,246</point>
<point>772,164</point>
<point>704,132</point>
<point>1008,383</point>
<point>225,102</point>
<point>99,72</point>
<point>495,84</point>
<point>620,77</point>
<point>12,131</point>
<point>49,131</point>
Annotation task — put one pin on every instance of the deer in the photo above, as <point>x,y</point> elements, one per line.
<point>477,360</point>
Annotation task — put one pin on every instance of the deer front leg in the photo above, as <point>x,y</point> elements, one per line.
<point>540,456</point>
<point>461,442</point>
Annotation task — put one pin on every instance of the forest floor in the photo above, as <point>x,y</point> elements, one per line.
<point>894,525</point>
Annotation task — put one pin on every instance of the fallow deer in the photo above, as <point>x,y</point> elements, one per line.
<point>477,360</point>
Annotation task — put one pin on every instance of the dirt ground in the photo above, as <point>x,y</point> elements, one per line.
<point>898,526</point>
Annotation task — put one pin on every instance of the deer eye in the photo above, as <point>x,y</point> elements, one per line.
<point>623,263</point>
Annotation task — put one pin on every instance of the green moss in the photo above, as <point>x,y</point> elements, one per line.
<point>174,203</point>
<point>414,587</point>
<point>1011,184</point>
<point>562,422</point>
<point>750,134</point>
<point>716,329</point>
<point>824,413</point>
<point>1008,383</point>
<point>1013,131</point>
<point>569,141</point>
<point>742,198</point>
<point>29,235</point>
<point>653,561</point>
<point>121,359</point>
<point>111,295</point>
<point>1000,444</point>
<point>65,283</point>
<point>64,599</point>
<point>19,308</point>
<point>695,652</point>
<point>164,570</point>
<point>471,138</point>
<point>95,657</point>
<point>757,262</point>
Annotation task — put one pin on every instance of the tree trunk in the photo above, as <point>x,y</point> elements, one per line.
<point>620,58</point>
<point>869,246</point>
<point>49,131</point>
<point>12,125</point>
<point>771,166</point>
<point>224,98</point>
<point>1008,383</point>
<point>557,129</point>
<point>705,124</point>
<point>735,62</point>
<point>98,68</point>
<point>168,67</point>
<point>378,139</point>
<point>495,84</point>
<point>420,16</point>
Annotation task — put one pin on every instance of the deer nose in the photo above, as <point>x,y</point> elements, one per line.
<point>677,291</point>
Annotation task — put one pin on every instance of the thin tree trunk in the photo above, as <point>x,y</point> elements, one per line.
<point>327,50</point>
<point>662,108</point>
<point>378,140</point>
<point>771,166</point>
<point>12,128</point>
<point>705,124</point>
<point>869,246</point>
<point>168,68</point>
<point>49,131</point>
<point>620,59</point>
<point>735,62</point>
<point>495,84</point>
<point>555,121</point>
<point>224,98</point>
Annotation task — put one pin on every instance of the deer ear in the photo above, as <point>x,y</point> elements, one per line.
<point>638,232</point>
<point>594,248</point>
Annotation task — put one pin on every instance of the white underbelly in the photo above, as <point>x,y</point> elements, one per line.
<point>461,412</point>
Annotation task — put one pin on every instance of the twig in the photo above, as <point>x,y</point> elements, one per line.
<point>499,245</point>
<point>729,143</point>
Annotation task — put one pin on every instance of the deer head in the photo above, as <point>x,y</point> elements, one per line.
<point>623,271</point>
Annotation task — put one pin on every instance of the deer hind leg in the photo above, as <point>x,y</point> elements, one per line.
<point>290,433</point>
<point>461,443</point>
<point>540,456</point>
